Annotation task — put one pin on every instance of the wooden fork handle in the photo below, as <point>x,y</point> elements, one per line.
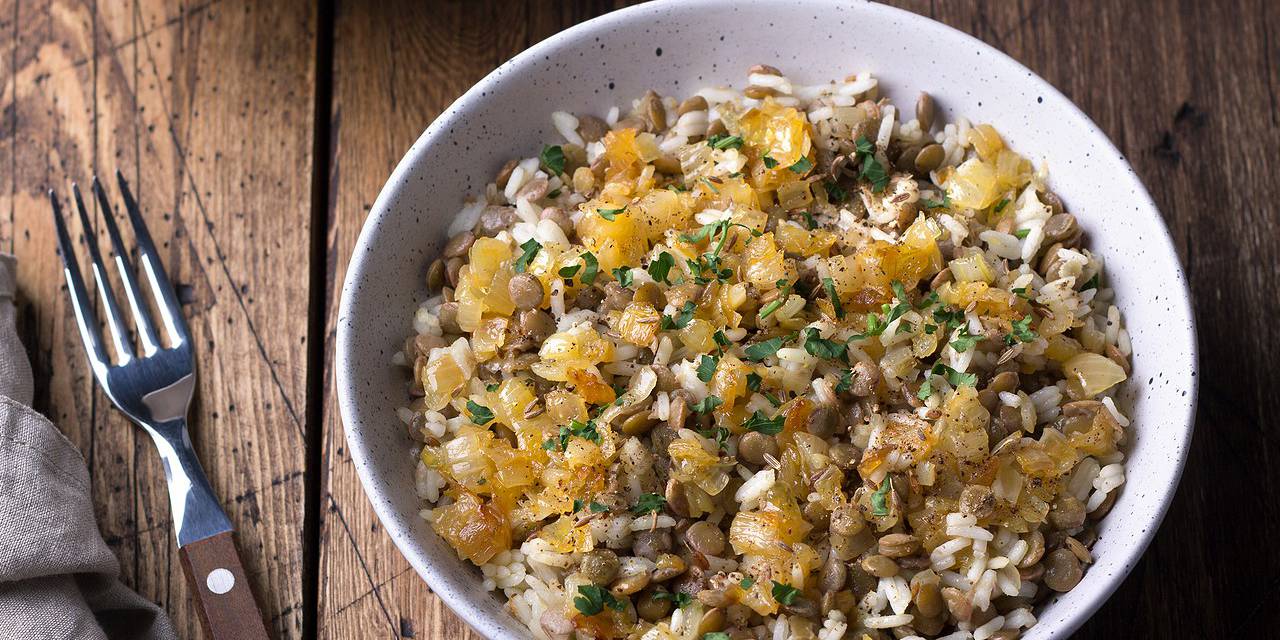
<point>222,595</point>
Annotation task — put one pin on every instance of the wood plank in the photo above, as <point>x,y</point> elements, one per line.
<point>1189,94</point>
<point>183,98</point>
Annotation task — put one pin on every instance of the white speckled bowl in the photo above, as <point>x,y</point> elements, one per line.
<point>676,47</point>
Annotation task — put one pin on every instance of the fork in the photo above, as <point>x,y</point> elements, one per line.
<point>154,389</point>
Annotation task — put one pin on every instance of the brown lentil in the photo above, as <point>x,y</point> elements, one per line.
<point>925,110</point>
<point>705,538</point>
<point>753,446</point>
<point>898,545</point>
<point>1062,570</point>
<point>880,566</point>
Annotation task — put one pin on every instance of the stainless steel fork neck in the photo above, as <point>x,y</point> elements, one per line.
<point>196,514</point>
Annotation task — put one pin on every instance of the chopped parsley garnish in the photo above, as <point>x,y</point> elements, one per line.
<point>1092,283</point>
<point>707,367</point>
<point>944,203</point>
<point>531,248</point>
<point>846,381</point>
<point>872,171</point>
<point>1021,332</point>
<point>802,166</point>
<point>721,339</point>
<point>1021,292</point>
<point>555,193</point>
<point>706,405</point>
<point>480,414</point>
<point>928,301</point>
<point>964,340</point>
<point>769,163</point>
<point>809,221</point>
<point>593,268</point>
<point>777,302</point>
<point>649,503</point>
<point>747,582</point>
<point>552,157</point>
<point>719,434</point>
<point>592,599</point>
<point>577,505</point>
<point>710,185</point>
<point>784,593</point>
<point>681,320</point>
<point>492,387</point>
<point>596,507</point>
<point>821,347</point>
<point>956,378</point>
<point>624,276</point>
<point>716,635</point>
<point>680,598</point>
<point>926,389</point>
<point>610,214</point>
<point>725,141</point>
<point>900,292</point>
<point>560,441</point>
<point>834,193</point>
<point>1021,233</point>
<point>1004,202</point>
<point>569,271</point>
<point>761,350</point>
<point>661,267</point>
<point>879,499</point>
<point>830,286</point>
<point>760,423</point>
<point>753,381</point>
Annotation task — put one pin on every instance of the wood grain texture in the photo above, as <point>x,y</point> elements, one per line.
<point>176,95</point>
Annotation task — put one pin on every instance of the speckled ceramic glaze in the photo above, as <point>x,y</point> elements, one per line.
<point>676,47</point>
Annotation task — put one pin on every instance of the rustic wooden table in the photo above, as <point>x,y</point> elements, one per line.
<point>257,134</point>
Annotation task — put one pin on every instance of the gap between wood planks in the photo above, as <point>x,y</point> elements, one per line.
<point>317,309</point>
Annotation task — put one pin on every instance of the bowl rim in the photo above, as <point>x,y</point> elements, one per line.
<point>459,601</point>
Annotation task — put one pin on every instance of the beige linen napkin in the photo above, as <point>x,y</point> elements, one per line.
<point>58,579</point>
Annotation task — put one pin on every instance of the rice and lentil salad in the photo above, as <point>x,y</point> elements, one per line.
<point>779,363</point>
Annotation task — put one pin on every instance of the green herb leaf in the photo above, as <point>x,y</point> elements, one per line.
<point>593,268</point>
<point>846,381</point>
<point>835,194</point>
<point>872,171</point>
<point>784,593</point>
<point>558,442</point>
<point>531,248</point>
<point>680,321</point>
<point>1021,332</point>
<point>928,300</point>
<point>769,163</point>
<point>661,267</point>
<point>555,193</point>
<point>760,423</point>
<point>721,339</point>
<point>585,431</point>
<point>944,203</point>
<point>624,276</point>
<point>1021,292</point>
<point>900,292</point>
<point>879,499</point>
<point>480,414</point>
<point>1092,283</point>
<point>706,405</point>
<point>552,157</point>
<point>753,381</point>
<point>569,271</point>
<point>761,350</point>
<point>964,340</point>
<point>492,387</point>
<point>725,141</point>
<point>716,635</point>
<point>747,582</point>
<point>648,503</point>
<point>954,377</point>
<point>809,221</point>
<point>680,598</point>
<point>802,166</point>
<point>1021,233</point>
<point>926,389</point>
<point>1004,202</point>
<point>707,367</point>
<point>777,302</point>
<point>821,347</point>
<point>596,507</point>
<point>610,214</point>
<point>592,599</point>
<point>830,286</point>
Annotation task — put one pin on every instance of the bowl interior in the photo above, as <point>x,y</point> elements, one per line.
<point>675,48</point>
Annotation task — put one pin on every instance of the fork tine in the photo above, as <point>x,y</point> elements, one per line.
<point>85,317</point>
<point>119,331</point>
<point>137,305</point>
<point>167,300</point>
